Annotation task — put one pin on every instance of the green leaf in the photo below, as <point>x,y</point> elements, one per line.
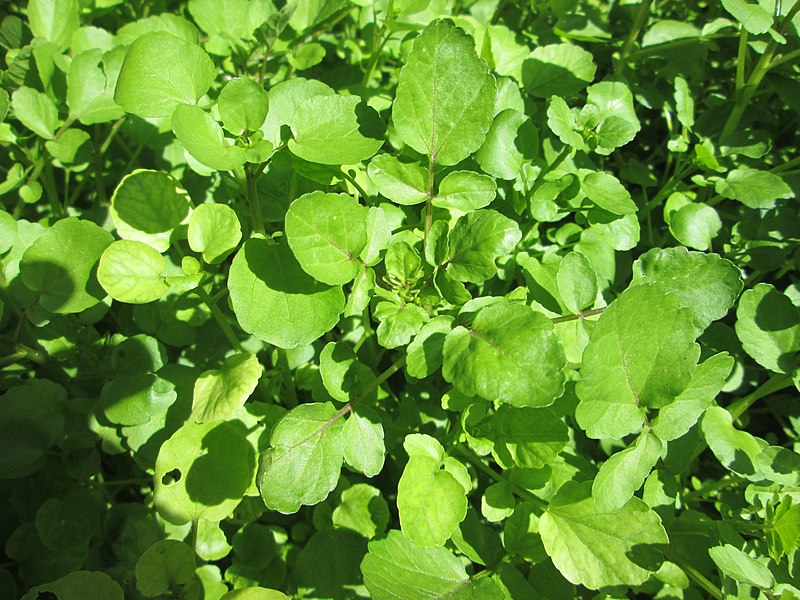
<point>398,323</point>
<point>684,102</point>
<point>405,183</point>
<point>624,473</point>
<point>284,99</point>
<point>327,233</point>
<point>618,123</point>
<point>768,325</point>
<point>563,122</point>
<point>275,300</point>
<point>36,111</point>
<point>527,437</point>
<point>90,87</point>
<point>202,137</point>
<point>465,191</point>
<point>608,193</point>
<point>755,18</point>
<point>79,585</point>
<point>363,441</point>
<point>396,568</point>
<point>577,282</point>
<point>741,567</point>
<point>164,563</point>
<point>303,463</point>
<point>754,188</point>
<point>72,146</point>
<point>695,225</point>
<point>736,450</point>
<point>160,72</point>
<point>335,130</point>
<point>60,265</point>
<point>54,20</point>
<point>218,393</point>
<point>706,284</point>
<point>132,272</point>
<point>203,471</point>
<point>71,522</point>
<point>362,509</point>
<point>557,70</point>
<point>675,419</point>
<point>134,399</point>
<point>628,367</point>
<point>600,549</point>
<point>343,375</point>
<point>147,206</point>
<point>215,231</point>
<point>430,498</point>
<point>243,105</point>
<point>512,140</point>
<point>476,241</point>
<point>424,353</point>
<point>444,102</point>
<point>509,354</point>
<point>254,593</point>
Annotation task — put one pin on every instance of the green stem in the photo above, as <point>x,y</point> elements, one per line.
<point>251,192</point>
<point>741,60</point>
<point>786,58</point>
<point>581,315</point>
<point>701,580</point>
<point>428,205</point>
<point>354,183</point>
<point>638,24</point>
<point>667,46</point>
<point>772,385</point>
<point>219,317</point>
<point>288,380</point>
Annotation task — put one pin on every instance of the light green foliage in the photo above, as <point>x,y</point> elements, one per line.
<point>425,352</point>
<point>362,509</point>
<point>363,441</point>
<point>60,265</point>
<point>740,566</point>
<point>335,130</point>
<point>80,585</point>
<point>768,325</point>
<point>202,137</point>
<point>160,72</point>
<point>284,99</point>
<point>36,111</point>
<point>558,70</point>
<point>737,450</point>
<point>695,225</point>
<point>243,105</point>
<point>133,399</point>
<point>396,567</point>
<point>343,375</point>
<point>577,282</point>
<point>618,378</point>
<point>203,471</point>
<point>218,393</point>
<point>91,81</point>
<point>303,463</point>
<point>476,241</point>
<point>608,193</point>
<point>444,99</point>
<point>147,206</point>
<point>509,354</point>
<point>431,496</point>
<point>401,182</point>
<point>214,230</point>
<point>527,437</point>
<point>54,20</point>
<point>275,300</point>
<point>624,473</point>
<point>596,548</point>
<point>510,142</point>
<point>754,188</point>
<point>755,18</point>
<point>327,233</point>
<point>132,272</point>
<point>465,191</point>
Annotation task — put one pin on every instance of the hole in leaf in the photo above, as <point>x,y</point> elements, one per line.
<point>171,477</point>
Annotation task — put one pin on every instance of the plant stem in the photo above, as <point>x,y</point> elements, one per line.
<point>581,315</point>
<point>696,576</point>
<point>251,192</point>
<point>741,60</point>
<point>288,380</point>
<point>633,35</point>
<point>428,205</point>
<point>219,317</point>
<point>772,385</point>
<point>354,183</point>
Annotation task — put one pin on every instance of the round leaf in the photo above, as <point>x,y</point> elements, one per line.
<point>275,300</point>
<point>161,71</point>
<point>203,139</point>
<point>215,231</point>
<point>243,105</point>
<point>326,233</point>
<point>163,563</point>
<point>60,265</point>
<point>132,272</point>
<point>218,393</point>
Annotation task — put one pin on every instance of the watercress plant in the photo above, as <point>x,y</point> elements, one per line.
<point>399,299</point>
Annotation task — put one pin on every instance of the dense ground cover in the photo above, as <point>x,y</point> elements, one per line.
<point>399,299</point>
